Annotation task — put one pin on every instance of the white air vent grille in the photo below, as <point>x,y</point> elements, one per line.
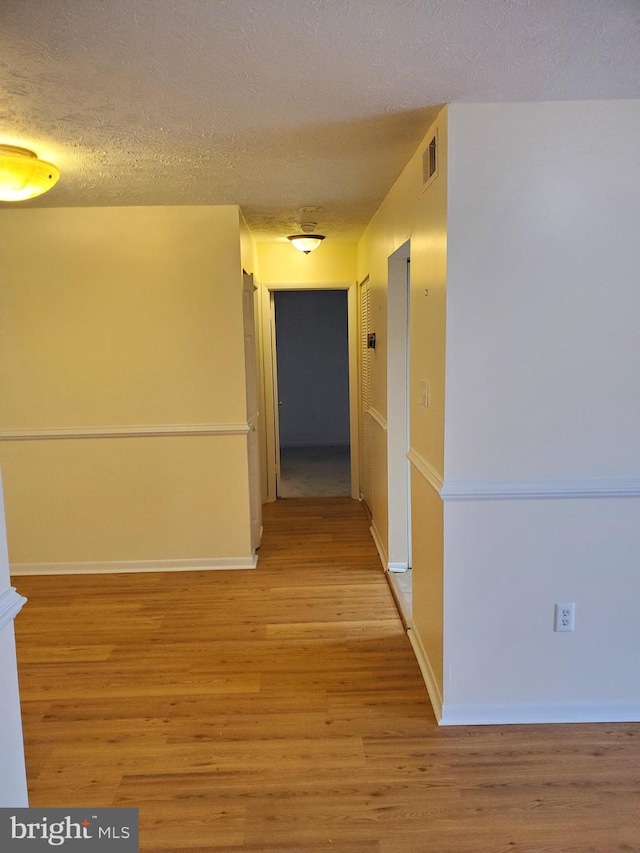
<point>430,161</point>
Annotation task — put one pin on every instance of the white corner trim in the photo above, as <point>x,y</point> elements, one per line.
<point>10,605</point>
<point>553,712</point>
<point>427,673</point>
<point>377,417</point>
<point>469,490</point>
<point>425,469</point>
<point>398,568</point>
<point>122,566</point>
<point>379,546</point>
<point>124,431</point>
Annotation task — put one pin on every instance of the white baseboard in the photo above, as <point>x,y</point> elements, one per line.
<point>427,673</point>
<point>398,567</point>
<point>379,546</point>
<point>122,566</point>
<point>561,712</point>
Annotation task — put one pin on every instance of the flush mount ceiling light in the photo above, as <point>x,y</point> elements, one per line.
<point>307,241</point>
<point>22,175</point>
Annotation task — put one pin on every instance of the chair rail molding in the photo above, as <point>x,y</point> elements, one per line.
<point>377,417</point>
<point>425,469</point>
<point>11,603</point>
<point>472,490</point>
<point>148,431</point>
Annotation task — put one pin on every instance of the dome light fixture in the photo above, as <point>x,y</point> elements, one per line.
<point>307,241</point>
<point>23,175</point>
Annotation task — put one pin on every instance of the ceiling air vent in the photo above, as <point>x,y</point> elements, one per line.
<point>430,162</point>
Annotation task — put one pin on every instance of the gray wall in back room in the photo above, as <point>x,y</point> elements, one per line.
<point>313,367</point>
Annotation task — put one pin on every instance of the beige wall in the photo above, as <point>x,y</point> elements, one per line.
<point>331,265</point>
<point>410,212</point>
<point>248,247</point>
<point>92,501</point>
<point>331,262</point>
<point>113,316</point>
<point>120,318</point>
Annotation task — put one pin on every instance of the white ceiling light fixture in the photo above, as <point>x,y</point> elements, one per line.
<point>307,241</point>
<point>23,175</point>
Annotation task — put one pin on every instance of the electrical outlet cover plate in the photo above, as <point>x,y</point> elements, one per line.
<point>565,616</point>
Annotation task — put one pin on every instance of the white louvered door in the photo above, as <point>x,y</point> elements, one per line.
<point>365,393</point>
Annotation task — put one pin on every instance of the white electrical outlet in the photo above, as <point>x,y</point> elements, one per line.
<point>565,616</point>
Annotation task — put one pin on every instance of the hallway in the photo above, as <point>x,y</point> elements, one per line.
<point>281,710</point>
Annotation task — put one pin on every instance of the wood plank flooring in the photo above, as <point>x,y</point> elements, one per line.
<point>281,710</point>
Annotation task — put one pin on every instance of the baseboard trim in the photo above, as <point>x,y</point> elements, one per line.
<point>131,566</point>
<point>11,603</point>
<point>379,546</point>
<point>405,617</point>
<point>398,567</point>
<point>124,431</point>
<point>427,674</point>
<point>569,712</point>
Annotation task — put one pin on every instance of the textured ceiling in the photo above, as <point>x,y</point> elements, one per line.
<point>279,104</point>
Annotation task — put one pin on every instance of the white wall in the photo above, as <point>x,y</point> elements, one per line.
<point>542,412</point>
<point>13,782</point>
<point>543,301</point>
<point>507,562</point>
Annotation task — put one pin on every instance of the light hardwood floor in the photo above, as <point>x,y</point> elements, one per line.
<point>281,710</point>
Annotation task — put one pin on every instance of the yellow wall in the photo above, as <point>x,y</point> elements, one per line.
<point>122,317</point>
<point>84,501</point>
<point>331,262</point>
<point>113,316</point>
<point>280,263</point>
<point>410,212</point>
<point>428,574</point>
<point>248,247</point>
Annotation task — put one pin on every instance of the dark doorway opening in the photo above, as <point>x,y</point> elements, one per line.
<point>313,392</point>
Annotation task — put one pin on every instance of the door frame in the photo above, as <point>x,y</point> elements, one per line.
<point>398,416</point>
<point>270,388</point>
<point>253,402</point>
